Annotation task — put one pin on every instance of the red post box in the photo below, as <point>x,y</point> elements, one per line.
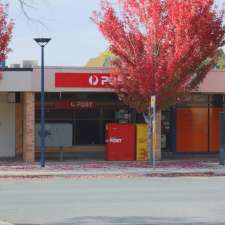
<point>120,142</point>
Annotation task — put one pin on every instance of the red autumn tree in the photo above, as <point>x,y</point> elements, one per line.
<point>5,34</point>
<point>163,47</point>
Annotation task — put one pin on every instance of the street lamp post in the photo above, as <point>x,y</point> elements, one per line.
<point>42,42</point>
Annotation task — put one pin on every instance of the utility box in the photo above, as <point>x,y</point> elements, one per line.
<point>141,142</point>
<point>120,142</point>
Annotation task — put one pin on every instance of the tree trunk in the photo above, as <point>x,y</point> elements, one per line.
<point>149,119</point>
<point>153,154</point>
<point>149,142</point>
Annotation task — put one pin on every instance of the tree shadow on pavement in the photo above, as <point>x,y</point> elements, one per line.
<point>130,221</point>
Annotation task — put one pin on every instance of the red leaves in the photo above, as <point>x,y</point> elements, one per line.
<point>163,48</point>
<point>5,33</point>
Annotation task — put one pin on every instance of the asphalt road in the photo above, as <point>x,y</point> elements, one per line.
<point>197,201</point>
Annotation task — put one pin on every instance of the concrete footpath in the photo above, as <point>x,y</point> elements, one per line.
<point>108,169</point>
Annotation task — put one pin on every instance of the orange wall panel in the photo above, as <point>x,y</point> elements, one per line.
<point>215,129</point>
<point>192,130</point>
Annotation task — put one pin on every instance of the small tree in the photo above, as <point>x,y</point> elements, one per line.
<point>220,64</point>
<point>163,47</point>
<point>5,34</point>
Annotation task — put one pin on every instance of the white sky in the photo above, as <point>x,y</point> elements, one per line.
<point>75,38</point>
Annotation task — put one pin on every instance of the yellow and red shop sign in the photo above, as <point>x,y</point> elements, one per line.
<point>83,80</point>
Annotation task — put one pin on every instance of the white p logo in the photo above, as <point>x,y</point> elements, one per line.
<point>105,80</point>
<point>93,80</point>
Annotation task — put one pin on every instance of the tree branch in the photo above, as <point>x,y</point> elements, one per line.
<point>24,4</point>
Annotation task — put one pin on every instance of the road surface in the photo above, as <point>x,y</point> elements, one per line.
<point>139,201</point>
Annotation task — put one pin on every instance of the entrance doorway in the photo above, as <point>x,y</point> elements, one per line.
<point>87,132</point>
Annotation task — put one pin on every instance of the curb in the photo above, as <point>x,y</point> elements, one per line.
<point>118,175</point>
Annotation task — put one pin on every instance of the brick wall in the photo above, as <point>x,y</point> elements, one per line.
<point>29,127</point>
<point>19,129</point>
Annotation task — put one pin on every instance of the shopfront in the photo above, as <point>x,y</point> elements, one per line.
<point>79,104</point>
<point>78,120</point>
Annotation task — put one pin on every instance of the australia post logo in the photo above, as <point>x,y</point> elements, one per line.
<point>103,80</point>
<point>83,80</point>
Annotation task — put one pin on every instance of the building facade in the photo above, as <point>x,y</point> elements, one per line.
<point>79,104</point>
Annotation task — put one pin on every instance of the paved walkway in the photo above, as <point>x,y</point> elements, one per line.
<point>108,169</point>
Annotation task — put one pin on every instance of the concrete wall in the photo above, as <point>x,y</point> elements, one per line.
<point>7,127</point>
<point>16,81</point>
<point>29,81</point>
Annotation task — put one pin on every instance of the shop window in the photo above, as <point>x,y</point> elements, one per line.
<point>87,132</point>
<point>123,116</point>
<point>88,114</point>
<point>165,130</point>
<point>54,115</point>
<point>216,101</point>
<point>57,134</point>
<point>140,118</point>
<point>109,114</point>
<point>103,97</point>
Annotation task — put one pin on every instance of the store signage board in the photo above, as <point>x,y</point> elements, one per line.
<point>74,104</point>
<point>67,104</point>
<point>82,80</point>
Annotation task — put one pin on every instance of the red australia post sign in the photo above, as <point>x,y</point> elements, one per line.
<point>68,104</point>
<point>74,104</point>
<point>83,80</point>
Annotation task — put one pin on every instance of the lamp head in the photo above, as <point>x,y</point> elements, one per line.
<point>42,41</point>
